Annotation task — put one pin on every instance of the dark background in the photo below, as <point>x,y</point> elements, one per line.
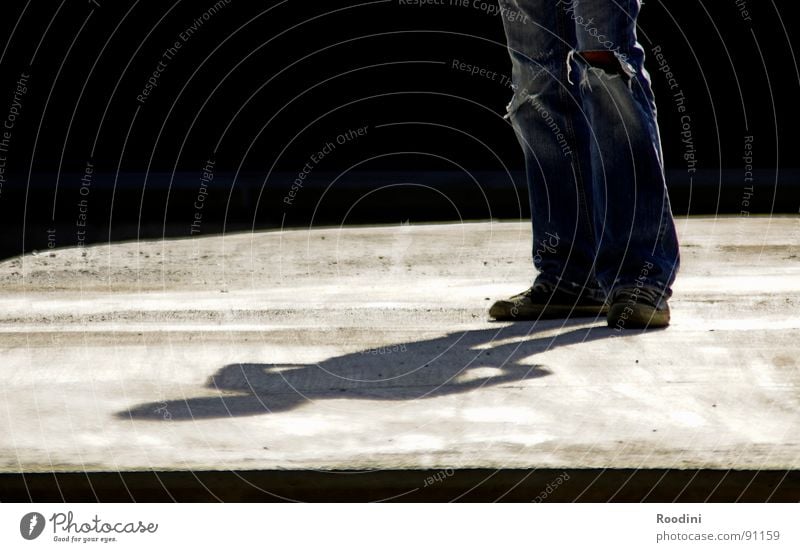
<point>261,86</point>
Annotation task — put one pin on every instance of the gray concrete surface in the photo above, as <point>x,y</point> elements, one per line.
<point>369,347</point>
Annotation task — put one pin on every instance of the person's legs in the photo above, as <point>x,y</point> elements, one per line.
<point>585,115</point>
<point>547,116</point>
<point>636,242</point>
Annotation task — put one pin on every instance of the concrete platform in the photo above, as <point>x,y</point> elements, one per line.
<point>369,348</point>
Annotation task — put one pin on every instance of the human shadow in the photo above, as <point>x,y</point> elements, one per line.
<point>455,363</point>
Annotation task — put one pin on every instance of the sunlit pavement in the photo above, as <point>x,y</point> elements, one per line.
<point>369,347</point>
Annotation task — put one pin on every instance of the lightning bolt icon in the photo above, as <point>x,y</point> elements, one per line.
<point>34,521</point>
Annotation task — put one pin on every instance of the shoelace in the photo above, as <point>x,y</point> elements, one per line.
<point>542,286</point>
<point>649,295</point>
<point>549,288</point>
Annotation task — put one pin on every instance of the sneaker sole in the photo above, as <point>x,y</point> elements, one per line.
<point>643,316</point>
<point>507,310</point>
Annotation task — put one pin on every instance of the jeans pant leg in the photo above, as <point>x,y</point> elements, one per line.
<point>547,117</point>
<point>637,243</point>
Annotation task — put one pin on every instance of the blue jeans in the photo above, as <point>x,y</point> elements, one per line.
<point>599,206</point>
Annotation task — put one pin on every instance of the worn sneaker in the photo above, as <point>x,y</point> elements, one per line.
<point>636,308</point>
<point>546,301</point>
